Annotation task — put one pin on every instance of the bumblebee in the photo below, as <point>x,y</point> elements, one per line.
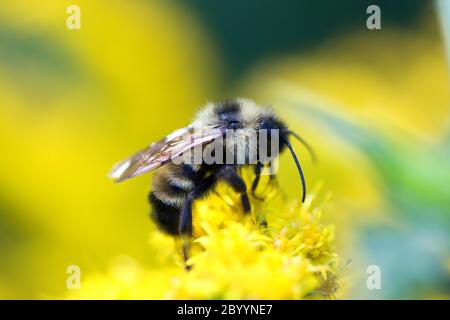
<point>176,185</point>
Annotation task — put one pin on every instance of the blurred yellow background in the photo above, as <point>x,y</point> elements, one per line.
<point>375,104</point>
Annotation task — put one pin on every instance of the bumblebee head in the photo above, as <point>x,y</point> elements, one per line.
<point>239,113</point>
<point>249,121</point>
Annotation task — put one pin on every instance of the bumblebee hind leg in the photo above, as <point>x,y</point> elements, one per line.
<point>185,227</point>
<point>185,218</point>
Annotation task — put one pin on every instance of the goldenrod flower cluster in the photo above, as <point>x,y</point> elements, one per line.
<point>269,254</point>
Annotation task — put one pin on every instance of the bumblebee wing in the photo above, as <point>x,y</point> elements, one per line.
<point>161,152</point>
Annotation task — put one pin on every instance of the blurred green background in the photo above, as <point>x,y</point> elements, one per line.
<point>374,103</point>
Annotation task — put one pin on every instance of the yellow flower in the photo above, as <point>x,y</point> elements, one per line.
<point>233,256</point>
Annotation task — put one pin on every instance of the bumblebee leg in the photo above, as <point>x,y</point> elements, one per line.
<point>186,217</point>
<point>258,169</point>
<point>185,227</point>
<point>185,224</point>
<point>230,175</point>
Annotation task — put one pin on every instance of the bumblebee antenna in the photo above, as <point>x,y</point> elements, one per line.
<point>305,143</point>
<point>299,168</point>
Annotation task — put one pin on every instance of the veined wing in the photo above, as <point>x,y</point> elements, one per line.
<point>162,151</point>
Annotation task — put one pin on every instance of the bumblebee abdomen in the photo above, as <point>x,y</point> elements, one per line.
<point>170,188</point>
<point>166,216</point>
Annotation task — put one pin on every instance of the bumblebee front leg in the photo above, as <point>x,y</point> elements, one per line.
<point>273,182</point>
<point>258,169</point>
<point>230,175</point>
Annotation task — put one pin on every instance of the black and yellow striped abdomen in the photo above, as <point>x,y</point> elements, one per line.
<point>170,188</point>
